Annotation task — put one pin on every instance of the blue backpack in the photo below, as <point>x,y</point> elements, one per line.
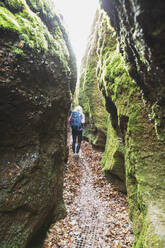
<point>75,120</point>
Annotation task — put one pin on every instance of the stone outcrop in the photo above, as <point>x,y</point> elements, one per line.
<point>37,78</point>
<point>129,70</point>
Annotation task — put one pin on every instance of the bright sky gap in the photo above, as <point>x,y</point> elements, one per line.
<point>78,17</point>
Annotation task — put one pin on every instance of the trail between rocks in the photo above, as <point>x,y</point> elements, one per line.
<point>96,212</point>
<point>91,213</point>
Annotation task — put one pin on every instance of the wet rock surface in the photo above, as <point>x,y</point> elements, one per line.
<point>96,212</point>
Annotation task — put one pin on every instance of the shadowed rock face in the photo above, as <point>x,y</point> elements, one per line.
<point>37,76</point>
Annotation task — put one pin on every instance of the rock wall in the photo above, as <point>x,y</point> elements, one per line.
<point>37,77</point>
<point>129,72</point>
<point>89,95</point>
<point>140,27</point>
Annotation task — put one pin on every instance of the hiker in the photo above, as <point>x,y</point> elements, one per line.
<point>76,120</point>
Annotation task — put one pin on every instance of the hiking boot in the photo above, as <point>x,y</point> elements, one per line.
<point>76,156</point>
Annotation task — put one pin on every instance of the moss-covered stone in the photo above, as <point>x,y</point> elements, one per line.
<point>135,25</point>
<point>38,77</point>
<point>145,180</point>
<point>113,159</point>
<point>135,138</point>
<point>140,31</point>
<point>37,27</point>
<point>90,96</point>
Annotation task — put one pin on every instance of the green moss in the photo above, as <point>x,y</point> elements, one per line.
<point>19,237</point>
<point>158,116</point>
<point>17,50</point>
<point>152,233</point>
<point>131,142</point>
<point>116,76</point>
<point>8,20</point>
<point>90,97</point>
<point>15,5</point>
<point>2,4</point>
<point>133,125</point>
<point>31,30</point>
<point>92,102</point>
<point>143,165</point>
<point>113,157</point>
<point>117,83</point>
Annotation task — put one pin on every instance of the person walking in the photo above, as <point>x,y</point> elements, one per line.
<point>76,120</point>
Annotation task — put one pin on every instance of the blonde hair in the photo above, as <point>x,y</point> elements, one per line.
<point>78,108</point>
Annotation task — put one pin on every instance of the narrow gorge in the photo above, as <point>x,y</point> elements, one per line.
<point>122,92</point>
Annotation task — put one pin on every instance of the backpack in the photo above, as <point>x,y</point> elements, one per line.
<point>75,120</point>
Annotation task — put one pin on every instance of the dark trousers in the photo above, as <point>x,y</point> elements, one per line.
<point>76,135</point>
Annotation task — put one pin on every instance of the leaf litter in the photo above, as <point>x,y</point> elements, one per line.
<point>97,213</point>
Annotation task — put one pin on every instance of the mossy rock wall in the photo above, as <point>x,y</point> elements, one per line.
<point>89,95</point>
<point>140,29</point>
<point>135,139</point>
<point>37,78</point>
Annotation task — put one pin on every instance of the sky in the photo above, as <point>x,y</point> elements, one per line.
<point>78,16</point>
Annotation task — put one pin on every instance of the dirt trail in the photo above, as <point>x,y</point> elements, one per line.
<point>96,212</point>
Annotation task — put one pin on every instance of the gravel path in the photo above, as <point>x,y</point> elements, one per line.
<point>96,212</point>
<point>90,213</point>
